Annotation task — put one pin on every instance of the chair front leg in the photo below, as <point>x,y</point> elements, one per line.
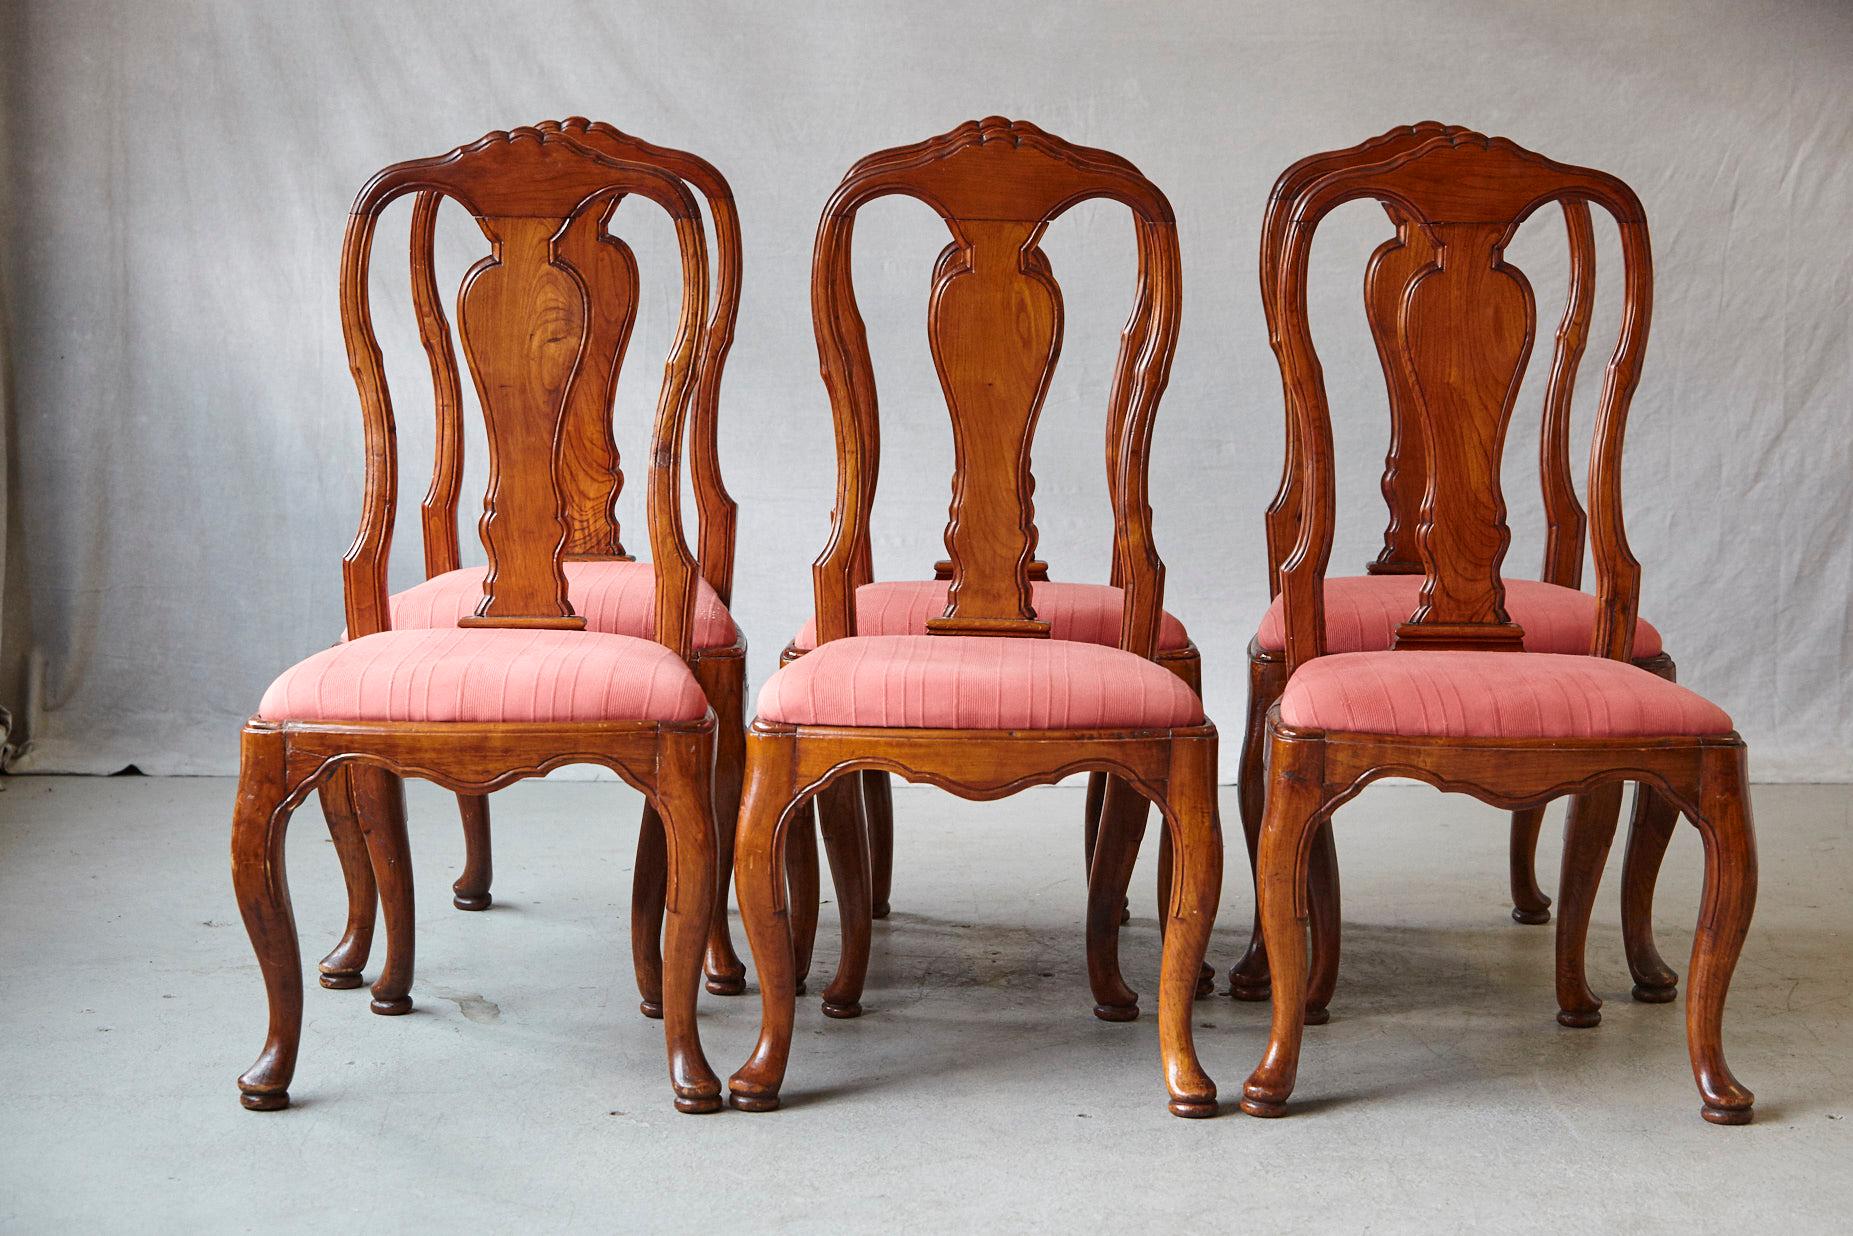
<point>845,833</point>
<point>1724,919</point>
<point>1190,912</point>
<point>760,867</point>
<point>1588,832</point>
<point>262,887</point>
<point>381,798</point>
<point>341,969</point>
<point>1294,804</point>
<point>471,889</point>
<point>685,799</point>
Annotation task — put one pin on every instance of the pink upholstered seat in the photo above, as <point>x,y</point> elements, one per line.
<point>977,683</point>
<point>1078,613</point>
<point>617,598</point>
<point>1362,613</point>
<point>487,674</point>
<point>1492,695</point>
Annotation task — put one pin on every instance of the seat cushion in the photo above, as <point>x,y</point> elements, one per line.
<point>1078,613</point>
<point>617,598</point>
<point>976,682</point>
<point>1362,613</point>
<point>1417,694</point>
<point>487,674</point>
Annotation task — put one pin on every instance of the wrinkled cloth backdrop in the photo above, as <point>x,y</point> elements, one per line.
<point>183,439</point>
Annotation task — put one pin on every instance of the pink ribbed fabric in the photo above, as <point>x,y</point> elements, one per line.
<point>617,598</point>
<point>975,682</point>
<point>1080,613</point>
<point>1492,695</point>
<point>487,674</point>
<point>1362,613</point>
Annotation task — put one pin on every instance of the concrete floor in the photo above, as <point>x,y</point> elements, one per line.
<point>977,1091</point>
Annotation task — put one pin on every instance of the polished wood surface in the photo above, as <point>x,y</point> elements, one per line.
<point>994,283</point>
<point>592,478</point>
<point>1393,267</point>
<point>524,319</point>
<point>994,326</point>
<point>1462,335</point>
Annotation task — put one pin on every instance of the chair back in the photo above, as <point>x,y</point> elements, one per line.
<point>994,323</point>
<point>1454,326</point>
<point>541,332</point>
<point>590,466</point>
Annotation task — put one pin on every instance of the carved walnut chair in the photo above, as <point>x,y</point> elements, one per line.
<point>1363,612</point>
<point>1456,702</point>
<point>984,702</point>
<point>1088,613</point>
<point>518,687</point>
<point>613,592</point>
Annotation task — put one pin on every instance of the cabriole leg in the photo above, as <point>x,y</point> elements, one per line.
<point>1116,848</point>
<point>1588,832</point>
<point>802,872</point>
<point>1248,979</point>
<point>724,681</point>
<point>341,969</point>
<point>1724,919</point>
<point>1325,926</point>
<point>759,872</point>
<point>471,889</point>
<point>878,809</point>
<point>1294,792</point>
<point>262,887</point>
<point>1529,904</point>
<point>1191,912</point>
<point>845,833</point>
<point>685,795</point>
<point>381,796</point>
<point>1650,829</point>
<point>649,891</point>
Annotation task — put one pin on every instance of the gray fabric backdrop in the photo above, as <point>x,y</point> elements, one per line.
<point>182,437</point>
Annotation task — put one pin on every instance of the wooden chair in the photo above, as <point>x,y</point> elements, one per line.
<point>607,586</point>
<point>1455,702</point>
<point>984,703</point>
<point>1553,611</point>
<point>518,687</point>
